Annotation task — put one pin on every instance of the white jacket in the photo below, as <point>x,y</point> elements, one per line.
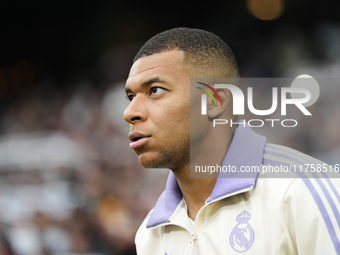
<point>250,215</point>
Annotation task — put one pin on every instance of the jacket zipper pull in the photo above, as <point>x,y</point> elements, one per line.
<point>193,236</point>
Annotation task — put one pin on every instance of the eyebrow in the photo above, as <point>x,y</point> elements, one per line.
<point>148,82</point>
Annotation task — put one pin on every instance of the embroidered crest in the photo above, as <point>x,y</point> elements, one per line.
<point>242,236</point>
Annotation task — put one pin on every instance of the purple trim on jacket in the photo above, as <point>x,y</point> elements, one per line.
<point>246,149</point>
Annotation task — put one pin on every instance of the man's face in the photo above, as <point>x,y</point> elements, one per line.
<point>159,113</point>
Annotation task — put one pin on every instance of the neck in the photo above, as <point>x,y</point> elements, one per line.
<point>197,190</point>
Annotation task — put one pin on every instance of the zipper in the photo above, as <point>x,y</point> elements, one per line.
<point>194,234</point>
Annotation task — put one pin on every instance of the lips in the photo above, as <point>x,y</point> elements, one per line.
<point>137,139</point>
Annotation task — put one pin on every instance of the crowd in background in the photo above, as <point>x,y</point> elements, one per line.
<point>69,184</point>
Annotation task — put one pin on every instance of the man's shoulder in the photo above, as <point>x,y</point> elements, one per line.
<point>284,161</point>
<point>293,177</point>
<point>304,180</point>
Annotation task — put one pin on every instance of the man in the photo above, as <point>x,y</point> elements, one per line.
<point>217,215</point>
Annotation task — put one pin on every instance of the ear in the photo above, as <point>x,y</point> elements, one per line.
<point>215,110</point>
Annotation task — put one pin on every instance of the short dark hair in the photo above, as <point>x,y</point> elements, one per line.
<point>202,49</point>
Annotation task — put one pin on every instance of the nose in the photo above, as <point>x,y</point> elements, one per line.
<point>135,111</point>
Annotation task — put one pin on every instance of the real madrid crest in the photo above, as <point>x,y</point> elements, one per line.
<point>242,236</point>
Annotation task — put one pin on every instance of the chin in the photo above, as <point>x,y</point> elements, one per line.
<point>152,160</point>
<point>148,161</point>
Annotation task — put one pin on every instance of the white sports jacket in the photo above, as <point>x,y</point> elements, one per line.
<point>249,215</point>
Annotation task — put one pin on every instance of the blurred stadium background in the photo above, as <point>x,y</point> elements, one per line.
<point>69,184</point>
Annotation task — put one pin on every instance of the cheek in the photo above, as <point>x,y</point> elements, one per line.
<point>172,121</point>
<point>180,118</point>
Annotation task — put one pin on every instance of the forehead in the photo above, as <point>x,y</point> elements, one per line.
<point>167,63</point>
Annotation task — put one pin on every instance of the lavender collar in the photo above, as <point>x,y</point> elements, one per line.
<point>246,149</point>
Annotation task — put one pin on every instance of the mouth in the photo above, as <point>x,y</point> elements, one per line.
<point>137,140</point>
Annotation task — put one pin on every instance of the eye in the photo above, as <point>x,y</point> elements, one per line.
<point>130,97</point>
<point>156,90</point>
